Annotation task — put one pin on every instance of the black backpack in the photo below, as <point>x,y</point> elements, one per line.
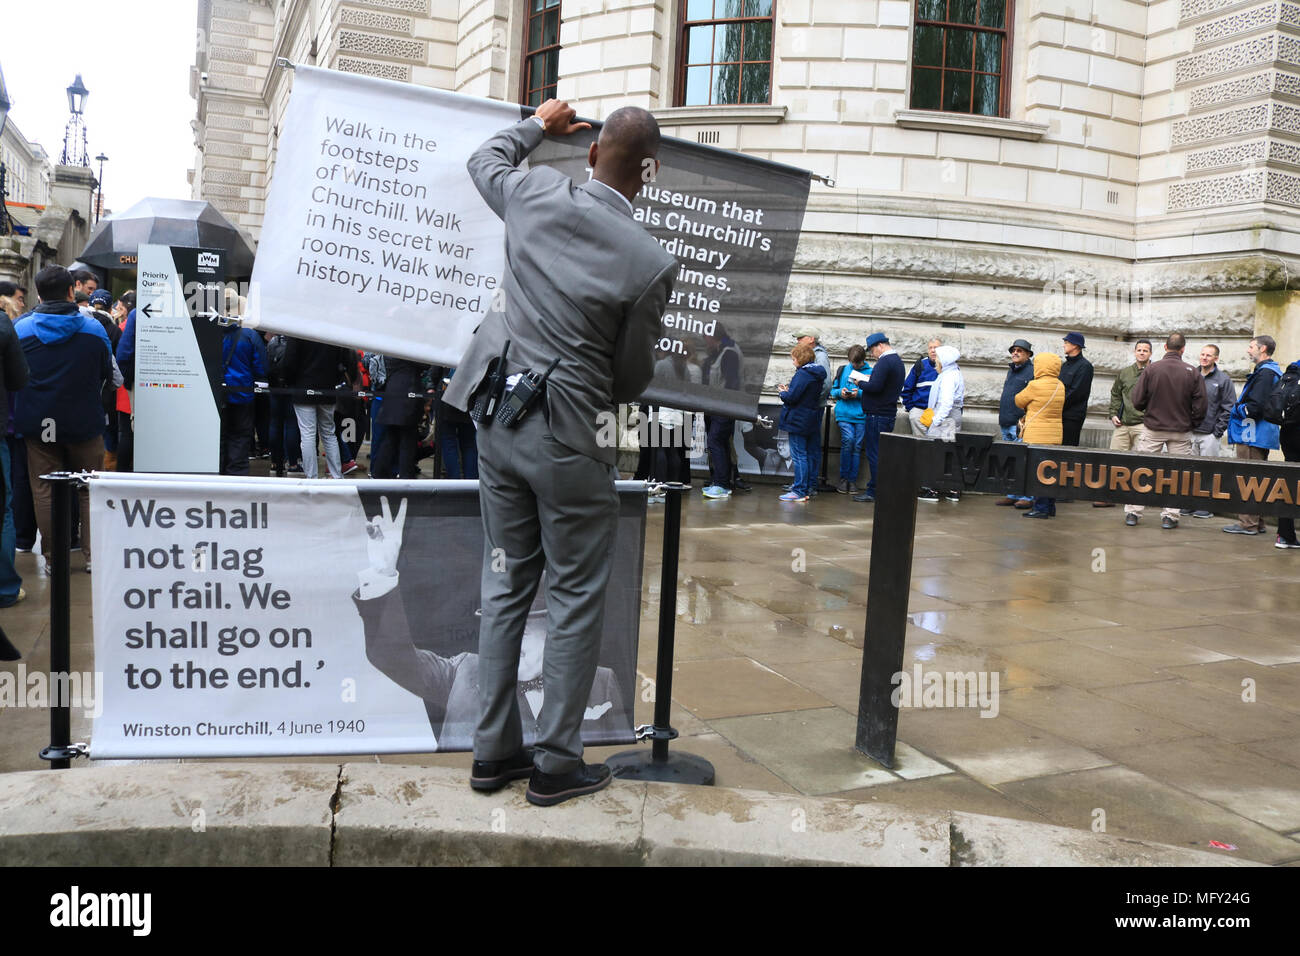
<point>1282,407</point>
<point>275,350</point>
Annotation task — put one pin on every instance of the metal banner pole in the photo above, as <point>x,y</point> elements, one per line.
<point>892,533</point>
<point>659,765</point>
<point>59,752</point>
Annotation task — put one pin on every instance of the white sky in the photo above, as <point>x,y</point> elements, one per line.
<point>134,57</point>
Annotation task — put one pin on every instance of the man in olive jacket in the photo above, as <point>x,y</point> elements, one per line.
<point>1123,415</point>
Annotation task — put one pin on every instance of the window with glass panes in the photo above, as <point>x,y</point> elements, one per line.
<point>726,53</point>
<point>959,56</point>
<point>541,51</point>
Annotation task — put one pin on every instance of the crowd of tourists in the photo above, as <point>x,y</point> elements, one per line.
<point>1173,405</point>
<point>67,374</point>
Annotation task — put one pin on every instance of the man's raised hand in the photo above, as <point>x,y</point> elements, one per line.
<point>558,117</point>
<point>384,537</point>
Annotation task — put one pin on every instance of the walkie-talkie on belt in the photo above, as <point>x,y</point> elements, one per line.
<point>489,397</point>
<point>523,396</point>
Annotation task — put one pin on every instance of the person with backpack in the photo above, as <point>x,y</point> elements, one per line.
<point>1247,428</point>
<point>1283,408</point>
<point>849,417</point>
<point>916,387</point>
<point>285,439</point>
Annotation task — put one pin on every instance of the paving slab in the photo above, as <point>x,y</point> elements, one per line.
<point>1248,784</point>
<point>994,750</point>
<point>812,750</point>
<point>1140,808</point>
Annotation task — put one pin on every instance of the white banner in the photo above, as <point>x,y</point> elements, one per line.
<point>374,234</point>
<point>238,616</point>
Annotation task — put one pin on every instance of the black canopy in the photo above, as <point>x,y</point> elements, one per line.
<point>168,222</point>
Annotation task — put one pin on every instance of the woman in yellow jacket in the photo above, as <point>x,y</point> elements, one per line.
<point>1043,399</point>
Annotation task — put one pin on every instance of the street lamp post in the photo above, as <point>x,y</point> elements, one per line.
<point>75,152</point>
<point>99,206</point>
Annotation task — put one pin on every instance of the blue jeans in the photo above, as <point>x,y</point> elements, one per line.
<point>285,441</point>
<point>459,449</point>
<point>1045,504</point>
<point>851,435</point>
<point>815,455</point>
<point>1009,433</point>
<point>10,582</point>
<point>802,466</point>
<point>875,425</point>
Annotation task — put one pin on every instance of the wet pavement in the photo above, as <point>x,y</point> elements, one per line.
<point>1147,681</point>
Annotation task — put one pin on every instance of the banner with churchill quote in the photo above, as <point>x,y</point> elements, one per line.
<point>259,617</point>
<point>376,238</point>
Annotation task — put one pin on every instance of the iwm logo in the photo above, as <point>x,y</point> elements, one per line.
<point>209,260</point>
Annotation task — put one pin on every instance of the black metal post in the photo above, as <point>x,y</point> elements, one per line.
<point>58,753</point>
<point>659,765</point>
<point>892,532</point>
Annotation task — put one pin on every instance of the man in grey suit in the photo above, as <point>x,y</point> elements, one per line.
<point>584,284</point>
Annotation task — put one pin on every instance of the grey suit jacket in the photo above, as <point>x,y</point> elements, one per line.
<point>584,283</point>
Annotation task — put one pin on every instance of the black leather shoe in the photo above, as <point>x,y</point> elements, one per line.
<point>490,775</point>
<point>548,789</point>
<point>864,496</point>
<point>1038,514</point>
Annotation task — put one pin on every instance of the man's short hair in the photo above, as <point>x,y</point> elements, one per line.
<point>1266,343</point>
<point>936,342</point>
<point>856,353</point>
<point>84,275</point>
<point>53,283</point>
<point>1176,342</point>
<point>1211,345</point>
<point>631,134</point>
<point>803,354</point>
<point>1146,342</point>
<point>10,288</point>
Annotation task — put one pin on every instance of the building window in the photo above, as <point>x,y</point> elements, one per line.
<point>541,51</point>
<point>959,56</point>
<point>726,52</point>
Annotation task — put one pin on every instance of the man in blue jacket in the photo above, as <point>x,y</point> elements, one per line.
<point>916,387</point>
<point>879,402</point>
<point>1247,429</point>
<point>242,366</point>
<point>59,412</point>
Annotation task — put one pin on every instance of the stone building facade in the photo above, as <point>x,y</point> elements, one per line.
<point>49,207</point>
<point>28,171</point>
<point>1122,168</point>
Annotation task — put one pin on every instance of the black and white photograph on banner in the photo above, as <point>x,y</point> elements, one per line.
<point>375,236</point>
<point>256,617</point>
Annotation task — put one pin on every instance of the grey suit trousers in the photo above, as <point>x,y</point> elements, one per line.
<point>548,507</point>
